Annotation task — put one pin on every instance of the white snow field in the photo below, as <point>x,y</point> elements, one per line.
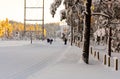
<point>40,60</point>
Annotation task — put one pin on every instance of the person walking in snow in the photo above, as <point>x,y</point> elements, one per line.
<point>65,41</point>
<point>51,40</point>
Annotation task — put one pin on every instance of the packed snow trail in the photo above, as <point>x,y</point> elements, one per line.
<point>44,61</point>
<point>71,66</point>
<point>18,62</point>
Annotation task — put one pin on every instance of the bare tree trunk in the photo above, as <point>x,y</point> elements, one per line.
<point>87,32</point>
<point>78,30</point>
<point>71,31</point>
<point>71,35</point>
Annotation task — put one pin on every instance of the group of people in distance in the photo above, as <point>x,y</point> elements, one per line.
<point>49,40</point>
<point>64,37</point>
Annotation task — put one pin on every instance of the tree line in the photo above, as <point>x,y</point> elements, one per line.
<point>8,29</point>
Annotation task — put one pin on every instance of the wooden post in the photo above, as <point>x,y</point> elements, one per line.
<point>108,61</point>
<point>79,44</point>
<point>91,50</point>
<point>104,60</point>
<point>95,54</point>
<point>24,17</point>
<point>43,37</point>
<point>116,63</point>
<point>98,56</point>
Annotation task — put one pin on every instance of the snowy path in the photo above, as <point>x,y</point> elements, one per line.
<point>18,62</point>
<point>71,66</point>
<point>44,61</point>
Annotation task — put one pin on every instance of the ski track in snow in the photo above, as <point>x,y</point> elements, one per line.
<point>44,61</point>
<point>55,50</point>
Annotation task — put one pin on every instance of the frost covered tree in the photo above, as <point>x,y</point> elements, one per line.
<point>111,10</point>
<point>74,13</point>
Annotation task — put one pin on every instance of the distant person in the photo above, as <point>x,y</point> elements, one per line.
<point>48,40</point>
<point>65,41</point>
<point>51,40</point>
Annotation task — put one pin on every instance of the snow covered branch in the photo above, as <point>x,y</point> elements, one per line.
<point>54,6</point>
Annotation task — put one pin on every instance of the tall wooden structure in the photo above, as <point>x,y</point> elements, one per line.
<point>30,7</point>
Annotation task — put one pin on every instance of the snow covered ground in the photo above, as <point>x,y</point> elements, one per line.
<point>40,60</point>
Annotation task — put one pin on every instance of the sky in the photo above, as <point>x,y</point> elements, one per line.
<point>14,10</point>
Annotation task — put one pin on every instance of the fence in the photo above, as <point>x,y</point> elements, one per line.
<point>105,59</point>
